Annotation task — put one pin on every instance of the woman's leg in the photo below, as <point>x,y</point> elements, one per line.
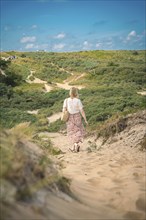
<point>77,147</point>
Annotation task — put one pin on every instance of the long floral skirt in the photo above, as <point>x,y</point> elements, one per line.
<point>75,128</point>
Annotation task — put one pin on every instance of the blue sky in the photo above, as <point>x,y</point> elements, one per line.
<point>65,25</point>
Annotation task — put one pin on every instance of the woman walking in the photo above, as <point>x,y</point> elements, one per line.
<point>75,128</point>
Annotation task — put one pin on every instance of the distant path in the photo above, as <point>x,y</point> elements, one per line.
<point>62,69</point>
<point>65,85</point>
<point>48,88</point>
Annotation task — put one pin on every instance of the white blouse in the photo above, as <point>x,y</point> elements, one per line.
<point>73,105</point>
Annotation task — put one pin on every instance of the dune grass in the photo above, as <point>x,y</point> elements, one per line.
<point>111,79</point>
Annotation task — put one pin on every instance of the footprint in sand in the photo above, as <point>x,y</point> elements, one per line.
<point>94,181</point>
<point>115,165</point>
<point>134,215</point>
<point>141,203</point>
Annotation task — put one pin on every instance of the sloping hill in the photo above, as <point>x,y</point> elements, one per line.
<point>107,176</point>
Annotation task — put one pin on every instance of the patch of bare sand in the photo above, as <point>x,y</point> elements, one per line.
<point>74,78</point>
<point>35,112</point>
<point>64,85</point>
<point>48,88</point>
<point>142,93</point>
<point>67,86</point>
<point>111,179</point>
<point>54,117</point>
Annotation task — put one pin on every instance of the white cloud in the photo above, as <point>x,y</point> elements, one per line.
<point>133,38</point>
<point>28,39</point>
<point>58,46</point>
<point>60,36</point>
<point>86,45</point>
<point>29,46</point>
<point>131,35</point>
<point>34,26</point>
<point>37,46</point>
<point>109,43</point>
<point>98,45</point>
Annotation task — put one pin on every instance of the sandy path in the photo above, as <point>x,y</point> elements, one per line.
<point>64,85</point>
<point>35,112</point>
<point>68,81</point>
<point>109,180</point>
<point>67,86</point>
<point>54,117</point>
<point>48,88</point>
<point>142,93</point>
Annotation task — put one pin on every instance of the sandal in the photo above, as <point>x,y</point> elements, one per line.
<point>78,148</point>
<point>73,151</point>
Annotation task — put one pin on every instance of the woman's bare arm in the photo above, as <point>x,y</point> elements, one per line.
<point>84,116</point>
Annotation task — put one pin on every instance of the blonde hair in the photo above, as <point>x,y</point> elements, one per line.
<point>73,92</point>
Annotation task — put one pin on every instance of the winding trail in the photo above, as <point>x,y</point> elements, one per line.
<point>64,85</point>
<point>48,88</point>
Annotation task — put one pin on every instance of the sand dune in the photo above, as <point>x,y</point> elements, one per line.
<point>109,180</point>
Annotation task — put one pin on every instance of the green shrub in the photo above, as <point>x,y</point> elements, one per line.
<point>111,82</point>
<point>11,117</point>
<point>56,126</point>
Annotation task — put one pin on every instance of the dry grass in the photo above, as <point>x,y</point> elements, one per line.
<point>18,164</point>
<point>117,124</point>
<point>25,167</point>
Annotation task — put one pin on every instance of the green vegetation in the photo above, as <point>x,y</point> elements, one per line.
<point>112,80</point>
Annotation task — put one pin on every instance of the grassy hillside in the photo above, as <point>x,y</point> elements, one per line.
<point>111,81</point>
